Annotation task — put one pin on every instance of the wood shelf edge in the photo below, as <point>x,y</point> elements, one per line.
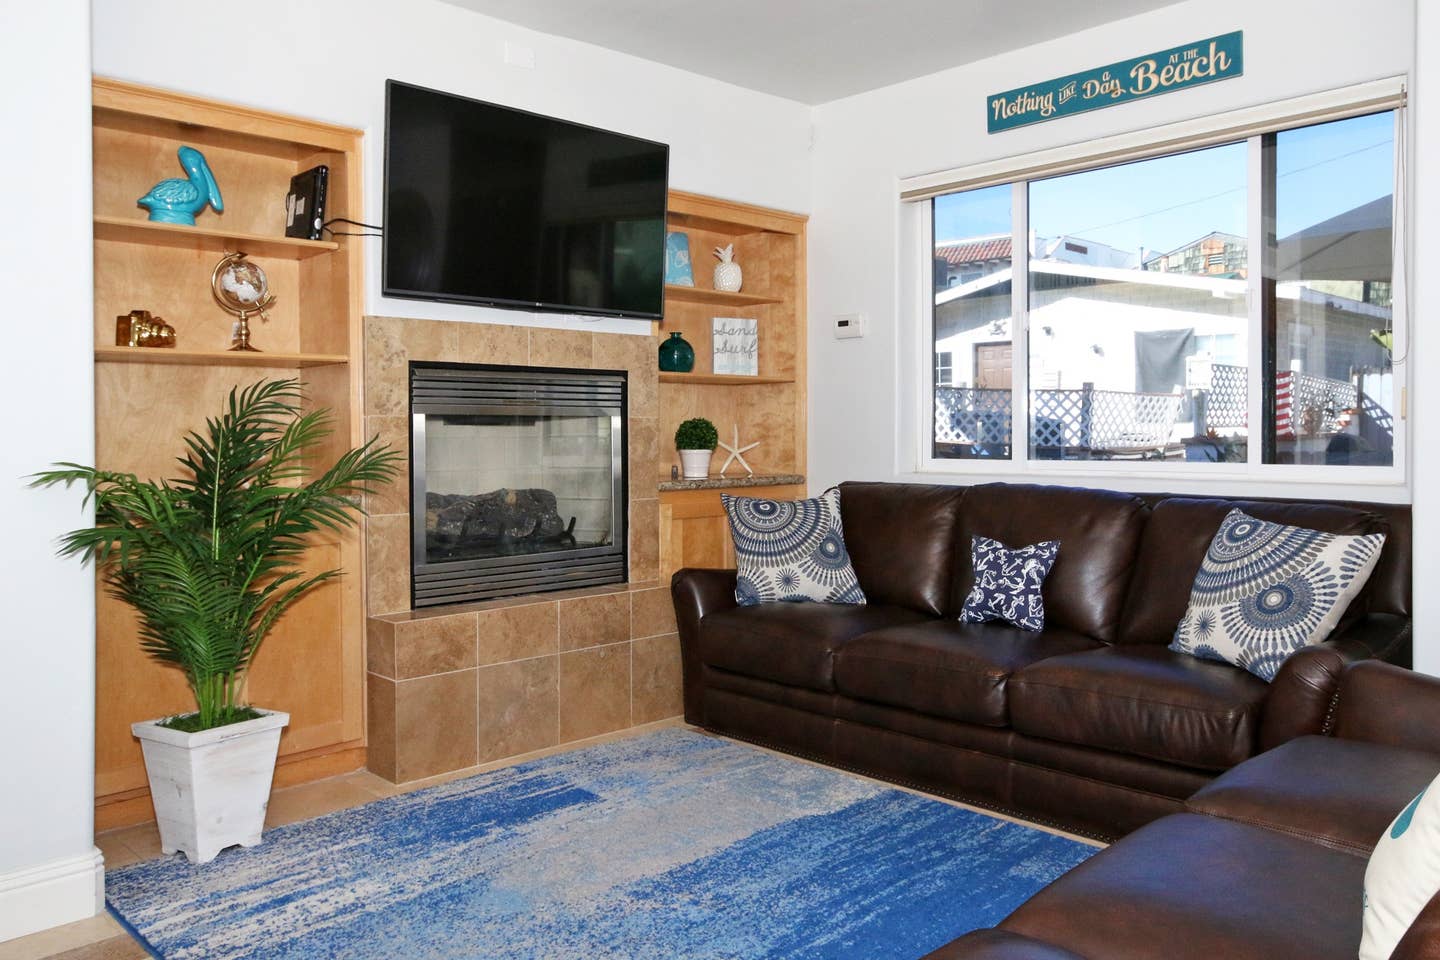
<point>124,97</point>
<point>685,204</point>
<point>216,358</point>
<point>721,379</point>
<point>719,297</point>
<point>126,228</point>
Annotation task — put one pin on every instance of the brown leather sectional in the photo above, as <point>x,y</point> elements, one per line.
<point>1092,724</point>
<point>1266,863</point>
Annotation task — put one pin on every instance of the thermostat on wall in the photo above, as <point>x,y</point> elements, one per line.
<point>848,326</point>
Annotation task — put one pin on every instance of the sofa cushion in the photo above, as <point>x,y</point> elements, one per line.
<point>790,643</point>
<point>790,550</point>
<point>1341,793</point>
<point>1100,532</point>
<point>1188,887</point>
<point>1144,700</point>
<point>1264,590</point>
<point>1176,537</point>
<point>1008,585</point>
<point>945,668</point>
<point>901,538</point>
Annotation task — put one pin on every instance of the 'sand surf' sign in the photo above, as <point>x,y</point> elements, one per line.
<point>1205,61</point>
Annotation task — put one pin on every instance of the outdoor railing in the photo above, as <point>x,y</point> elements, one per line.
<point>1085,420</point>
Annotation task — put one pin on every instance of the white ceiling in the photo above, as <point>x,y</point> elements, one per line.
<point>812,51</point>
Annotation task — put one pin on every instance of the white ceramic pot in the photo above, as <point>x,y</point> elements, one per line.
<point>695,464</point>
<point>211,788</point>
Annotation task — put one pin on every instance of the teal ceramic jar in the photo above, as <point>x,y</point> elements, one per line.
<point>676,355</point>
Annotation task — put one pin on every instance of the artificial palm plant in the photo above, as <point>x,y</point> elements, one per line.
<point>212,560</point>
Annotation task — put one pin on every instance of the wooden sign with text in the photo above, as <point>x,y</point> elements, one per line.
<point>1205,61</point>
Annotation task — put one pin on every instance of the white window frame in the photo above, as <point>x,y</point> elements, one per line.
<point>916,194</point>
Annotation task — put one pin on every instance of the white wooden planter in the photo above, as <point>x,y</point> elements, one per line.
<point>211,788</point>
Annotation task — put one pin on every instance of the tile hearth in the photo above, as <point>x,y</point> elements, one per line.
<point>450,687</point>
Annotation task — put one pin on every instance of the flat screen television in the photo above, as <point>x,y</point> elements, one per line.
<point>489,205</point>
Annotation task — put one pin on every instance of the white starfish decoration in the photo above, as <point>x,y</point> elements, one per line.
<point>737,452</point>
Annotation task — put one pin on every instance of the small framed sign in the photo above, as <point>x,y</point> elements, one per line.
<point>737,346</point>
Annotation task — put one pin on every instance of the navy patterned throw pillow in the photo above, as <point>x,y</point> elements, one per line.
<point>1007,582</point>
<point>791,550</point>
<point>1265,590</point>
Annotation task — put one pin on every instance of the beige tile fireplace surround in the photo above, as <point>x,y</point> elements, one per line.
<point>456,686</point>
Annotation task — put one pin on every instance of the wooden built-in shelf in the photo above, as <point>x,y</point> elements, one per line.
<point>702,295</point>
<point>216,358</point>
<point>729,228</point>
<point>148,398</point>
<point>215,240</point>
<point>721,379</point>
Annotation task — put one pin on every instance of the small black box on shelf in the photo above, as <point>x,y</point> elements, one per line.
<point>305,203</point>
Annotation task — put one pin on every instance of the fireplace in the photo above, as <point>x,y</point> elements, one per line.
<point>518,481</point>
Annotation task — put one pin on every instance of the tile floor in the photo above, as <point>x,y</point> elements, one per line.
<point>101,938</point>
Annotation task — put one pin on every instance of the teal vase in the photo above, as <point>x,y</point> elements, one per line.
<point>676,355</point>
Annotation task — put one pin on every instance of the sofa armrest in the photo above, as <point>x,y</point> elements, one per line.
<point>696,593</point>
<point>996,944</point>
<point>1382,703</point>
<point>1301,694</point>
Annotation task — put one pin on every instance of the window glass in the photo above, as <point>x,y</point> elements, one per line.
<point>1138,312</point>
<point>972,261</point>
<point>1328,293</point>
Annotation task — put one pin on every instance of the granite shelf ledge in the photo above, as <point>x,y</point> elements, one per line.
<point>731,483</point>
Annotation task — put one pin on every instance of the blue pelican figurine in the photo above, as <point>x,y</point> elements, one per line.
<point>177,201</point>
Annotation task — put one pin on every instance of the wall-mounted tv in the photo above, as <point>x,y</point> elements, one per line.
<point>489,205</point>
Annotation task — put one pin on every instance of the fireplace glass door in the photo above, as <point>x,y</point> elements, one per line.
<point>518,481</point>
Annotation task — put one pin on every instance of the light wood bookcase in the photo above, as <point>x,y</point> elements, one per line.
<point>146,398</point>
<point>770,407</point>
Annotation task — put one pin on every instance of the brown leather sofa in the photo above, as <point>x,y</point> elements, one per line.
<point>1092,724</point>
<point>1267,862</point>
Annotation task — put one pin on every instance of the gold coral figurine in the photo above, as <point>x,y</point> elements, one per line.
<point>139,329</point>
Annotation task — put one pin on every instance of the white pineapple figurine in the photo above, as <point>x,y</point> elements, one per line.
<point>727,271</point>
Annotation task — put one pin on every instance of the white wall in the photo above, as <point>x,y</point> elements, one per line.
<point>332,57</point>
<point>1425,338</point>
<point>48,863</point>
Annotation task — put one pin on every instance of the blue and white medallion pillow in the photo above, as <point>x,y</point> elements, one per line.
<point>1007,582</point>
<point>791,550</point>
<point>1265,590</point>
<point>1402,876</point>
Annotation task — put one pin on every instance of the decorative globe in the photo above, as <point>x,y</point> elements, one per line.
<point>241,286</point>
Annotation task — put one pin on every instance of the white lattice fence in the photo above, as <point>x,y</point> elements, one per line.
<point>972,415</point>
<point>1319,403</point>
<point>1142,420</point>
<point>1228,404</point>
<point>1103,420</point>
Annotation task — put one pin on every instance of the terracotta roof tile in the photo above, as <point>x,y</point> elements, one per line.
<point>974,251</point>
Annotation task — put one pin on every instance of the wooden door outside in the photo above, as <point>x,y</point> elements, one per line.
<point>992,365</point>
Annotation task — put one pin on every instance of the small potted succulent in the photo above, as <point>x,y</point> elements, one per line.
<point>210,561</point>
<point>695,440</point>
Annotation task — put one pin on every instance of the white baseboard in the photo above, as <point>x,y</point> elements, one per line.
<point>49,894</point>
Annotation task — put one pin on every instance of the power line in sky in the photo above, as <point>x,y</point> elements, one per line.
<point>1226,193</point>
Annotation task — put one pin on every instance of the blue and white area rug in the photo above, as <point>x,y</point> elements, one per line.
<point>668,845</point>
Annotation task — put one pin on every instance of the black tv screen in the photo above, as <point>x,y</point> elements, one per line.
<point>489,205</point>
